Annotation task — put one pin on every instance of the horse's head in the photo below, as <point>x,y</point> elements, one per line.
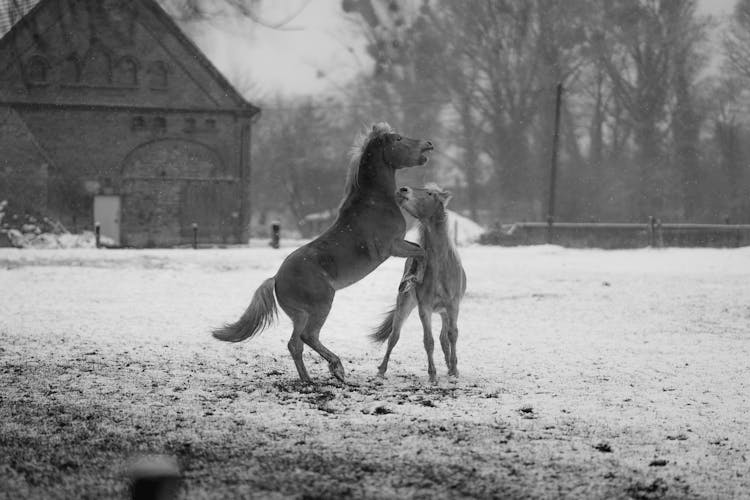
<point>378,153</point>
<point>395,150</point>
<point>424,203</point>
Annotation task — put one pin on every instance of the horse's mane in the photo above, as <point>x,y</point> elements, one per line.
<point>358,148</point>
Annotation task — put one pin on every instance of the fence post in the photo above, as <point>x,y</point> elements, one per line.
<point>553,161</point>
<point>195,235</point>
<point>651,236</point>
<point>98,233</point>
<point>275,234</point>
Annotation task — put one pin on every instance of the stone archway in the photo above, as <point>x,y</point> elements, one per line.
<point>163,186</point>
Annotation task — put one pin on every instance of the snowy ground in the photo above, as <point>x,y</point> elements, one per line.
<point>584,374</point>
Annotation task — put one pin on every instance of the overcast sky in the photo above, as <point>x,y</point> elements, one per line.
<point>319,50</point>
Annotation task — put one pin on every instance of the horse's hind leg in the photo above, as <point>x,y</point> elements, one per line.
<point>405,303</point>
<point>306,299</point>
<point>425,315</point>
<point>310,336</point>
<point>295,345</point>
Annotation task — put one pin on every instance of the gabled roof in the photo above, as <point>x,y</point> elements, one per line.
<point>32,7</point>
<point>199,55</point>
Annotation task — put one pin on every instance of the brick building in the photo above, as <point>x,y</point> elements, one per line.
<point>109,113</point>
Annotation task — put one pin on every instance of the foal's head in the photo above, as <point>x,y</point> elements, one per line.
<point>426,204</point>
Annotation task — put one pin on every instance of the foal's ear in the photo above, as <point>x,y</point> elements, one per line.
<point>445,197</point>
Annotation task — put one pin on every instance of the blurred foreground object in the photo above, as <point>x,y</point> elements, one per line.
<point>154,477</point>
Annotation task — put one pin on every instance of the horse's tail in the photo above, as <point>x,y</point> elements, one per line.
<point>382,333</point>
<point>259,314</point>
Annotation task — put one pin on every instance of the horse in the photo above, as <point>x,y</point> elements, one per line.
<point>436,283</point>
<point>369,228</point>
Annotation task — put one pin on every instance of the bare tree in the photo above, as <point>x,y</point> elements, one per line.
<point>737,40</point>
<point>634,47</point>
<point>686,117</point>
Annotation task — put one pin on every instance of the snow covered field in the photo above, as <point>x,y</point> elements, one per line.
<point>584,374</point>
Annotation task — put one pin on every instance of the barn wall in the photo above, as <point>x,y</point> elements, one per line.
<point>91,161</point>
<point>96,84</point>
<point>23,166</point>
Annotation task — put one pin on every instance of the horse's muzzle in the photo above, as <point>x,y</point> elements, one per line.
<point>426,147</point>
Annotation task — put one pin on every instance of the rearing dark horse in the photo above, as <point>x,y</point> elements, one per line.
<point>369,229</point>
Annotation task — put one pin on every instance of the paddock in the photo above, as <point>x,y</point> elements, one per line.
<point>584,373</point>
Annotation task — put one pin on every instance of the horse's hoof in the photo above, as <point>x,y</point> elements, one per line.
<point>338,374</point>
<point>337,370</point>
<point>381,374</point>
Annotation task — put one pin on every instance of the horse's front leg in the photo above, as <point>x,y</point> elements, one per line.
<point>415,264</point>
<point>403,248</point>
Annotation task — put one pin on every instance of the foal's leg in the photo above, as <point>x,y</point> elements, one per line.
<point>452,316</point>
<point>444,341</point>
<point>405,303</point>
<point>425,315</point>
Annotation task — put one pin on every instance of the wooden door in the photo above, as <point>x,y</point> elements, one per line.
<point>107,215</point>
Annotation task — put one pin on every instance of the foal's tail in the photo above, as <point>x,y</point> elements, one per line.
<point>259,314</point>
<point>384,330</point>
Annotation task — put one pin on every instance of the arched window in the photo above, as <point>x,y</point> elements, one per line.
<point>97,66</point>
<point>157,75</point>
<point>37,69</point>
<point>126,72</point>
<point>138,123</point>
<point>71,70</point>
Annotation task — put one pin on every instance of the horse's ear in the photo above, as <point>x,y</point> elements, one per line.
<point>445,197</point>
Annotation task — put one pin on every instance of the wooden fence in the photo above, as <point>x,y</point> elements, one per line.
<point>620,235</point>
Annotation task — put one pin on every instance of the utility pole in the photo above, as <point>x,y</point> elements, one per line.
<point>553,165</point>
